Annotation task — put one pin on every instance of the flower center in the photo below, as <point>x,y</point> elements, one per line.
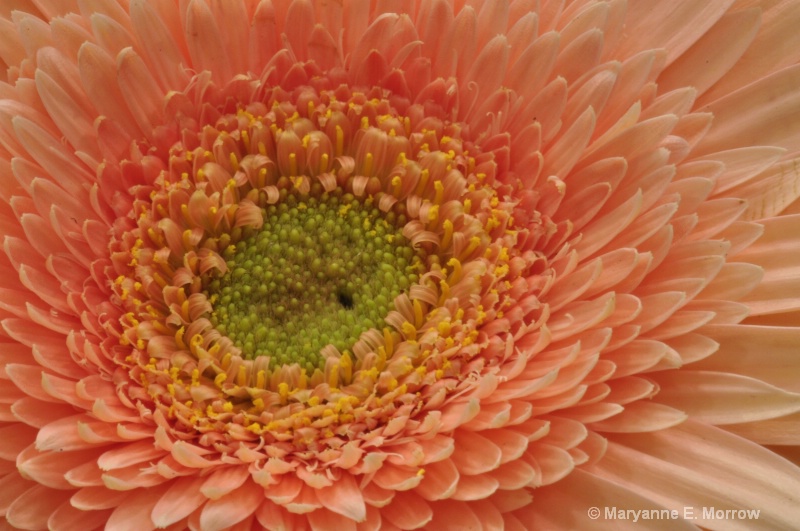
<point>320,271</point>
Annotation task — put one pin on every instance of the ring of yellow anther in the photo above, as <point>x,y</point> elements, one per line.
<point>318,272</point>
<point>222,187</point>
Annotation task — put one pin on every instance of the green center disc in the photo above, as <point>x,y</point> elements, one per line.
<point>318,272</point>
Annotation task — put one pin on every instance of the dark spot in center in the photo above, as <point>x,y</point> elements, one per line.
<point>345,299</point>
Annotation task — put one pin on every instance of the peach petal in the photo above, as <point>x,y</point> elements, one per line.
<point>691,65</point>
<point>72,119</point>
<point>227,511</point>
<point>641,417</point>
<point>68,517</point>
<point>223,481</point>
<point>514,475</point>
<point>764,55</point>
<point>529,73</point>
<point>440,480</point>
<point>723,398</point>
<point>275,518</point>
<point>686,478</point>
<point>130,454</point>
<point>97,498</point>
<point>328,521</point>
<point>475,454</point>
<point>49,468</point>
<point>32,508</point>
<point>779,289</point>
<point>190,455</point>
<point>478,487</point>
<point>454,515</point>
<point>344,497</point>
<point>770,104</point>
<point>554,463</point>
<point>781,431</point>
<point>564,505</point>
<point>134,512</point>
<point>408,511</point>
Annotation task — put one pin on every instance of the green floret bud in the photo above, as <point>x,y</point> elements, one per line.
<point>320,271</point>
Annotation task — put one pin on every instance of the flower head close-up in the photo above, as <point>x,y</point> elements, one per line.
<point>350,265</point>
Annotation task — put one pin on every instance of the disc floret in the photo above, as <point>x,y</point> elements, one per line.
<point>320,271</point>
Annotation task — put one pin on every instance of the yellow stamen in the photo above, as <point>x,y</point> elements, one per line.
<point>339,141</point>
<point>439,188</point>
<point>447,238</point>
<point>455,276</point>
<point>241,377</point>
<point>418,313</point>
<point>368,161</point>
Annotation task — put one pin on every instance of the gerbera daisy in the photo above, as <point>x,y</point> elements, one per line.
<point>437,264</point>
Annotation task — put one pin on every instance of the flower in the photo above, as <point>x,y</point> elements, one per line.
<point>325,265</point>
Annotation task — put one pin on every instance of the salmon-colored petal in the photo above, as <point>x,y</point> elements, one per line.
<point>230,510</point>
<point>635,464</point>
<point>724,398</point>
<point>32,509</point>
<point>583,492</point>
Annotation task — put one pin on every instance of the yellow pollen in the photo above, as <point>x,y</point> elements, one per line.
<point>409,331</point>
<point>396,182</point>
<point>433,214</point>
<point>246,139</point>
<point>323,163</point>
<point>292,164</point>
<point>283,390</point>
<point>234,161</point>
<point>474,242</point>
